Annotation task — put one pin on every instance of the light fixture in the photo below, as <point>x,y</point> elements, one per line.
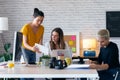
<point>3,26</point>
<point>89,47</point>
<point>3,23</point>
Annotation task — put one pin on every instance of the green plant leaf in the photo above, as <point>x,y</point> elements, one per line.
<point>46,57</point>
<point>7,57</point>
<point>7,47</point>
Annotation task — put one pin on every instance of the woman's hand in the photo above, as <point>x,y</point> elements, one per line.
<point>34,48</point>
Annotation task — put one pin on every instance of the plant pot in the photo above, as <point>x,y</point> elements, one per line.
<point>45,62</point>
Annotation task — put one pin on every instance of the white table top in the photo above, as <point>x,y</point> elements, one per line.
<point>45,72</point>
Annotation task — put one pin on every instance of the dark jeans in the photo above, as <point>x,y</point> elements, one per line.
<point>29,56</point>
<point>107,74</point>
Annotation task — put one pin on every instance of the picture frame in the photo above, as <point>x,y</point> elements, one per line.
<point>73,41</point>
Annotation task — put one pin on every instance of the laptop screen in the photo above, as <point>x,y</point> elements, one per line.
<point>66,53</point>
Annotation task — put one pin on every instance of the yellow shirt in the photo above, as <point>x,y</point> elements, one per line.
<point>32,37</point>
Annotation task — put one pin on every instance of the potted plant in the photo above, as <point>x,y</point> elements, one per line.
<point>45,60</point>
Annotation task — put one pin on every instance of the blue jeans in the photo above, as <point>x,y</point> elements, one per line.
<point>29,56</point>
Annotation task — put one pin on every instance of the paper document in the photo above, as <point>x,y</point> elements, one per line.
<point>78,66</point>
<point>42,48</point>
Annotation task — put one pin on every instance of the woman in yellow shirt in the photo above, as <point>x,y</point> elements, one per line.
<point>32,33</point>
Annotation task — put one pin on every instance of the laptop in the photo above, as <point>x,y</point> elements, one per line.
<point>65,52</point>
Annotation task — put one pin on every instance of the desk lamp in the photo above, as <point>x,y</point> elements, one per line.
<point>89,46</point>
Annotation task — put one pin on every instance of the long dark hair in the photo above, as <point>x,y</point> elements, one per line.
<point>61,41</point>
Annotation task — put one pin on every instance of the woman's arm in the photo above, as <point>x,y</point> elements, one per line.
<point>41,40</point>
<point>32,48</point>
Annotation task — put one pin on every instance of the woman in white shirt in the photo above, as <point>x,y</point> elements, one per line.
<point>57,42</point>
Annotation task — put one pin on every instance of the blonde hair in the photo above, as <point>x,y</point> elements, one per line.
<point>104,33</point>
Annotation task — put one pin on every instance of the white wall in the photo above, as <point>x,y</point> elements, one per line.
<point>86,16</point>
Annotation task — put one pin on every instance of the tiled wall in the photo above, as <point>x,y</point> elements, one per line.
<point>85,16</point>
